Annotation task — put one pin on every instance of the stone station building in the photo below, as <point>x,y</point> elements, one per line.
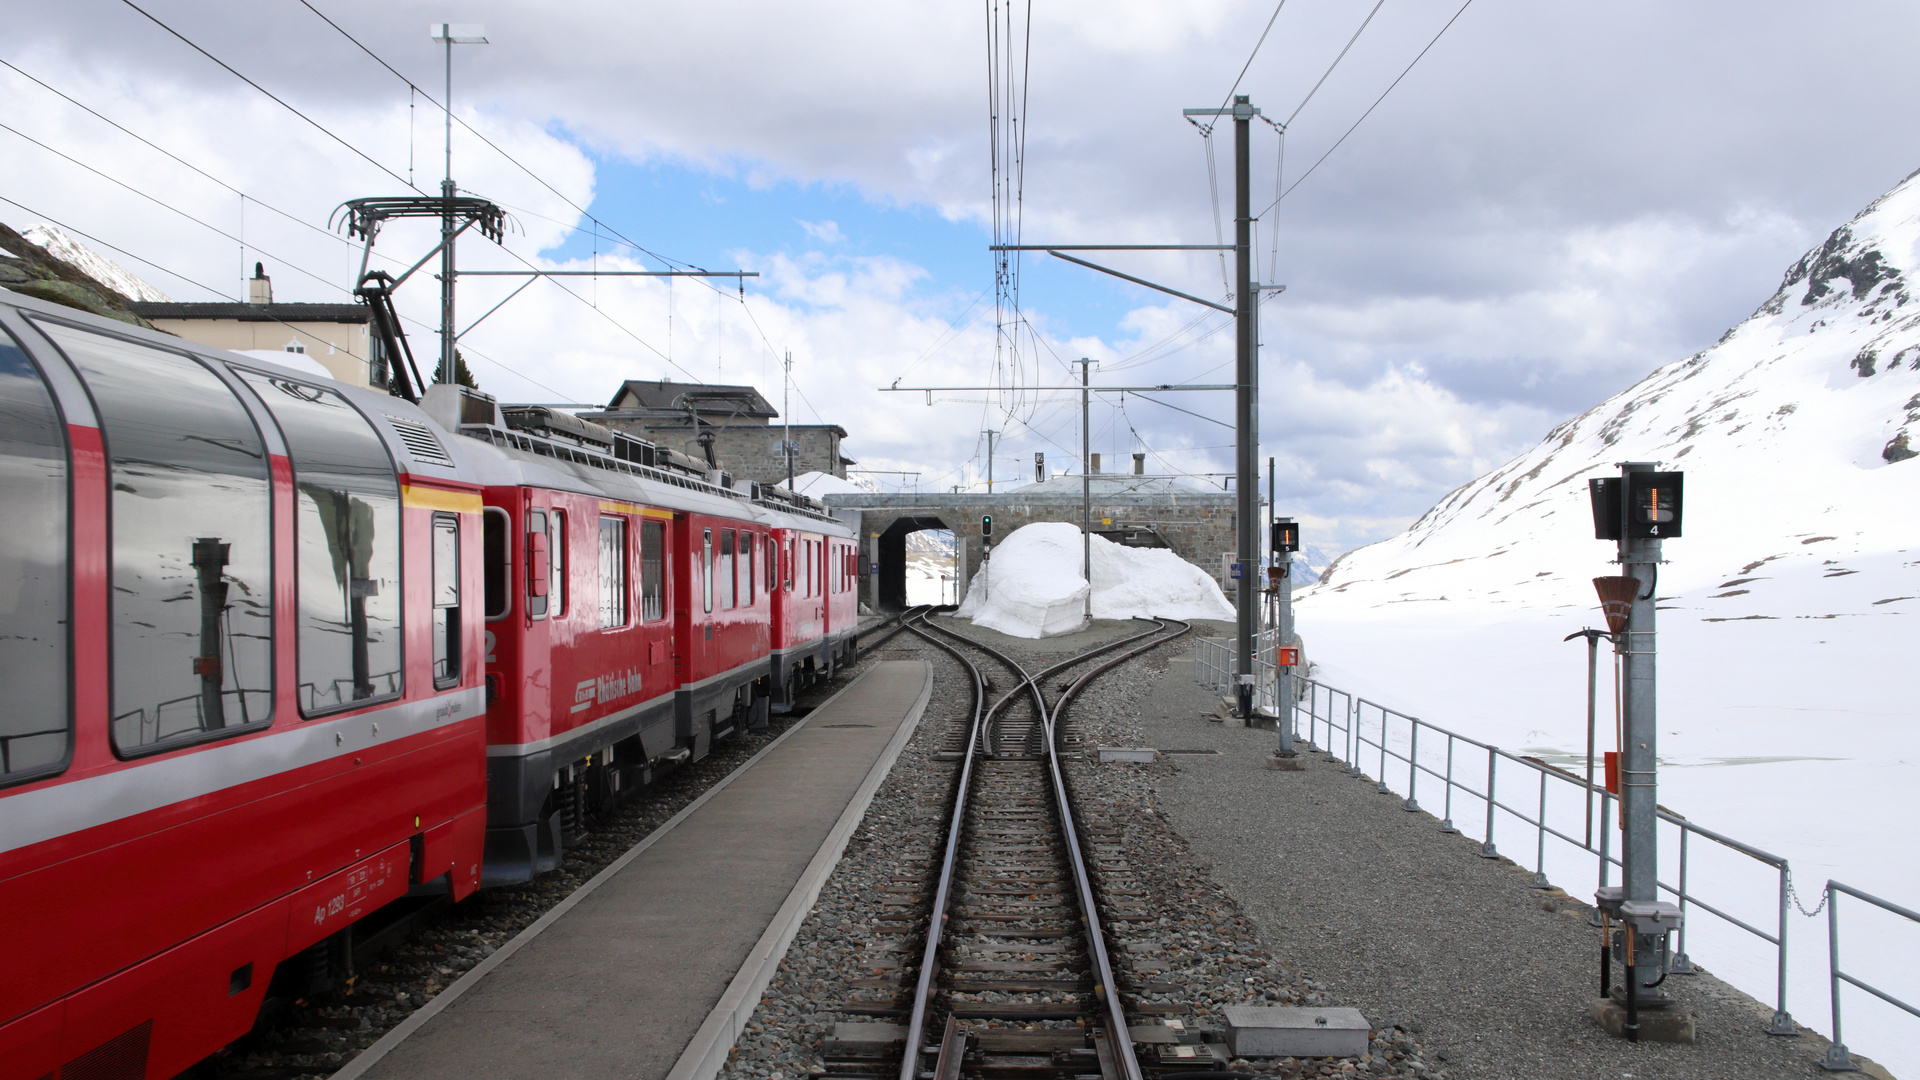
<point>1197,523</point>
<point>746,439</point>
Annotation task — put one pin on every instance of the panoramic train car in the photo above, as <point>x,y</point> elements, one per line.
<point>630,599</point>
<point>243,652</point>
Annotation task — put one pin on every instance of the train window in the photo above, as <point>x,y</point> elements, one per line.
<point>613,572</point>
<point>446,600</point>
<point>496,559</point>
<point>728,579</point>
<point>773,564</point>
<point>347,554</point>
<point>787,564</point>
<point>748,546</point>
<point>653,570</point>
<point>34,728</point>
<point>192,598</point>
<point>539,565</point>
<point>557,562</point>
<point>706,568</point>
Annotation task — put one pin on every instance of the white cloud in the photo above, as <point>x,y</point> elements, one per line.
<point>826,232</point>
<point>1552,204</point>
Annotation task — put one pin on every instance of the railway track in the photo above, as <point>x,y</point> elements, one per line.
<point>1014,974</point>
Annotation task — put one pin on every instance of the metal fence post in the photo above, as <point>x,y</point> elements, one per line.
<point>1837,1059</point>
<point>1353,738</point>
<point>1382,787</point>
<point>1540,839</point>
<point>1682,964</point>
<point>1413,766</point>
<point>1487,850</point>
<point>1606,851</point>
<point>1782,1022</point>
<point>1446,823</point>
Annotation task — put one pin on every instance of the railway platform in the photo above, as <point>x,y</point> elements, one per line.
<point>649,970</point>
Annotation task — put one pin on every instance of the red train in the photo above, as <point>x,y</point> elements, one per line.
<point>279,652</point>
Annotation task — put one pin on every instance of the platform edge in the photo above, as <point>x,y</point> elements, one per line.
<point>706,1053</point>
<point>368,1058</point>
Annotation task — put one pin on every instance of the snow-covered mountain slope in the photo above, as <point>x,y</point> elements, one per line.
<point>93,264</point>
<point>1788,609</point>
<point>1797,432</point>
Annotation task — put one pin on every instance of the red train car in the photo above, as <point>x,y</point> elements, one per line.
<point>632,604</point>
<point>243,649</point>
<point>816,610</point>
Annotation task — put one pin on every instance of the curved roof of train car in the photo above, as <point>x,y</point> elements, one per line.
<point>510,466</point>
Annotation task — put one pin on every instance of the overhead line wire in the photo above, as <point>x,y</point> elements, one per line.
<point>1336,63</point>
<point>1370,108</point>
<point>276,98</point>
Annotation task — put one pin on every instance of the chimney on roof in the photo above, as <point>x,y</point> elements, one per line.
<point>260,289</point>
<point>1139,464</point>
<point>1095,469</point>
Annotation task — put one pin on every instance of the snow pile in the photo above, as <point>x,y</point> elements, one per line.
<point>1036,589</point>
<point>819,484</point>
<point>93,264</point>
<point>1786,608</point>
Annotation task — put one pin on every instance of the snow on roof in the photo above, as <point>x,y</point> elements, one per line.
<point>817,484</point>
<point>1031,587</point>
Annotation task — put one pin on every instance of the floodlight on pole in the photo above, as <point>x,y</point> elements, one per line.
<point>449,35</point>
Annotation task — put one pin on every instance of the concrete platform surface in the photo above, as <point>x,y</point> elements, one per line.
<point>620,982</point>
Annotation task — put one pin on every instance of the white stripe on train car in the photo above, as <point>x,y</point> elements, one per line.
<point>58,809</point>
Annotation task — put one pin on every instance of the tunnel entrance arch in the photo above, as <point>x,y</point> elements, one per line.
<point>893,558</point>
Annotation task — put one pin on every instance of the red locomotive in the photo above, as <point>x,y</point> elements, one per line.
<point>280,651</point>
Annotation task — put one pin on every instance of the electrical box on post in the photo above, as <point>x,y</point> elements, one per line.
<point>1285,536</point>
<point>1286,656</point>
<point>1604,493</point>
<point>1653,504</point>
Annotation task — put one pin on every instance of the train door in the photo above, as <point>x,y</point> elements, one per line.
<point>655,607</point>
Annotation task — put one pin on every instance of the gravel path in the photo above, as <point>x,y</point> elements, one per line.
<point>1409,925</point>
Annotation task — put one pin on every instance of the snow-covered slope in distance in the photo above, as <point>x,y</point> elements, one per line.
<point>1788,609</point>
<point>93,264</point>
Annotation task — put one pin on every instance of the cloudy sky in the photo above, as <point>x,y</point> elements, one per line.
<point>1555,199</point>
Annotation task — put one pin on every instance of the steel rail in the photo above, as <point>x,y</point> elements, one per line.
<point>900,619</point>
<point>937,916</point>
<point>1119,1042</point>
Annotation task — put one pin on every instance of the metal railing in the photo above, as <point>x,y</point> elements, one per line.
<point>1503,790</point>
<point>1838,1059</point>
<point>1554,804</point>
<point>1214,668</point>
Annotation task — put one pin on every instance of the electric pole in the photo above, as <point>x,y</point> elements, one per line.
<point>1245,407</point>
<point>450,34</point>
<point>989,434</point>
<point>1086,489</point>
<point>786,413</point>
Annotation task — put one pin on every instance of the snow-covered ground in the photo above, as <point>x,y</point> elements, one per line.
<point>1032,586</point>
<point>1787,609</point>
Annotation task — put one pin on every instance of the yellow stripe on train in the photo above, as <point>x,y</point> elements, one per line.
<point>416,497</point>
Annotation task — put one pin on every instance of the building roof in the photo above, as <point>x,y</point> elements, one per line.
<point>281,313</point>
<point>666,396</point>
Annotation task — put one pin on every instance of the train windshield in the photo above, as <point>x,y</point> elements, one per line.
<point>192,552</point>
<point>347,535</point>
<point>33,571</point>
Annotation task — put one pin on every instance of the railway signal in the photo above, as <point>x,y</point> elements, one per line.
<point>1637,510</point>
